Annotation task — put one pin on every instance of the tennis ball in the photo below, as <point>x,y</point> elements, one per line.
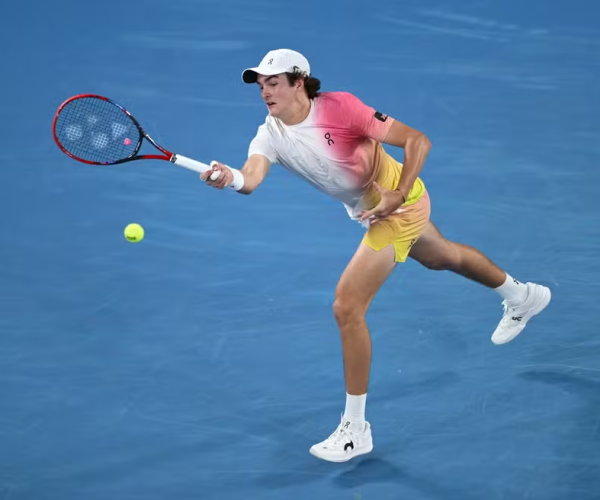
<point>134,233</point>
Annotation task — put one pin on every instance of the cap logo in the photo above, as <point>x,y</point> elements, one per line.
<point>270,62</point>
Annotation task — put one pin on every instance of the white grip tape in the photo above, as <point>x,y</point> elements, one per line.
<point>197,166</point>
<point>190,164</point>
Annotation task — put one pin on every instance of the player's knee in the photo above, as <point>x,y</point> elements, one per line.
<point>444,260</point>
<point>346,309</point>
<point>438,264</point>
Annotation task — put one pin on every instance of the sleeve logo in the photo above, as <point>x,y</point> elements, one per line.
<point>380,116</point>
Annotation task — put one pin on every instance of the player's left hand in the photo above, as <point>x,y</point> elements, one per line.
<point>389,203</point>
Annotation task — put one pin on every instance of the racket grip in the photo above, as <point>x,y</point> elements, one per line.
<point>196,166</point>
<point>190,164</point>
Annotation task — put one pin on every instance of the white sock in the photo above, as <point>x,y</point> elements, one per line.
<point>355,410</point>
<point>512,290</point>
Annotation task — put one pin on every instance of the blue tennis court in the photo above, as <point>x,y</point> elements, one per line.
<point>205,361</point>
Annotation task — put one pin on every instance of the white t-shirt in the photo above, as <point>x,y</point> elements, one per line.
<point>334,148</point>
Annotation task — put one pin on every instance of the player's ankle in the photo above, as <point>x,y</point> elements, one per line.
<point>512,290</point>
<point>355,410</point>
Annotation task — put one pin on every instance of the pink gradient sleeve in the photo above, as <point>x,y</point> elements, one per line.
<point>365,120</point>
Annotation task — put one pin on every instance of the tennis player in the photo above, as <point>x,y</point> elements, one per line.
<point>334,141</point>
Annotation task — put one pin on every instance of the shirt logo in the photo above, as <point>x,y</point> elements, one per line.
<point>329,139</point>
<point>380,116</point>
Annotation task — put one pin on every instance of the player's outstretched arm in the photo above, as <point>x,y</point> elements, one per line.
<point>252,174</point>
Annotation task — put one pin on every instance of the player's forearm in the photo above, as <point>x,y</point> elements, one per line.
<point>252,179</point>
<point>254,171</point>
<point>415,153</point>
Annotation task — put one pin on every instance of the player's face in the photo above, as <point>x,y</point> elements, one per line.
<point>277,93</point>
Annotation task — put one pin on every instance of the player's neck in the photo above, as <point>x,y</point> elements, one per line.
<point>297,113</point>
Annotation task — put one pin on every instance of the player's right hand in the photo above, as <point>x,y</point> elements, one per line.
<point>219,176</point>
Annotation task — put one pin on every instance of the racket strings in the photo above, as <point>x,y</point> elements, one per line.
<point>97,131</point>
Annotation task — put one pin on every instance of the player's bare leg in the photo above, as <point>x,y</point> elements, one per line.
<point>357,287</point>
<point>522,301</point>
<point>435,252</point>
<point>363,277</point>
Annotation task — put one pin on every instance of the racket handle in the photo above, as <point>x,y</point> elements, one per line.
<point>194,165</point>
<point>190,164</point>
<point>200,167</point>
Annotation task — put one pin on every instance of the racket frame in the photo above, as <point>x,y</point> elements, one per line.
<point>179,160</point>
<point>133,156</point>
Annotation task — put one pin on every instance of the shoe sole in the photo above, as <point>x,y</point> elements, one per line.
<point>543,301</point>
<point>346,458</point>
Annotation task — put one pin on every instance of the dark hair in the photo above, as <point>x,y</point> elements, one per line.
<point>312,85</point>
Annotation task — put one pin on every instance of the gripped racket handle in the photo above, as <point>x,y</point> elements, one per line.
<point>200,167</point>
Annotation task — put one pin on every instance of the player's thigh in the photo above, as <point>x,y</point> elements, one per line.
<point>364,275</point>
<point>386,243</point>
<point>432,249</point>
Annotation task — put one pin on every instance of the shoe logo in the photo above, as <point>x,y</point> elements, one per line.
<point>346,425</point>
<point>517,318</point>
<point>348,445</point>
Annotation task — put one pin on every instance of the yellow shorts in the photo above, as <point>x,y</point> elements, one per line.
<point>402,229</point>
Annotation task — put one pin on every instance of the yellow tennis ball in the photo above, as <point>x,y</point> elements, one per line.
<point>134,233</point>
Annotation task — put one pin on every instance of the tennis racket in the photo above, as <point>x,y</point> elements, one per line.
<point>96,130</point>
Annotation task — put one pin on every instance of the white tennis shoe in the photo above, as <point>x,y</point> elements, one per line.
<point>344,444</point>
<point>516,316</point>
